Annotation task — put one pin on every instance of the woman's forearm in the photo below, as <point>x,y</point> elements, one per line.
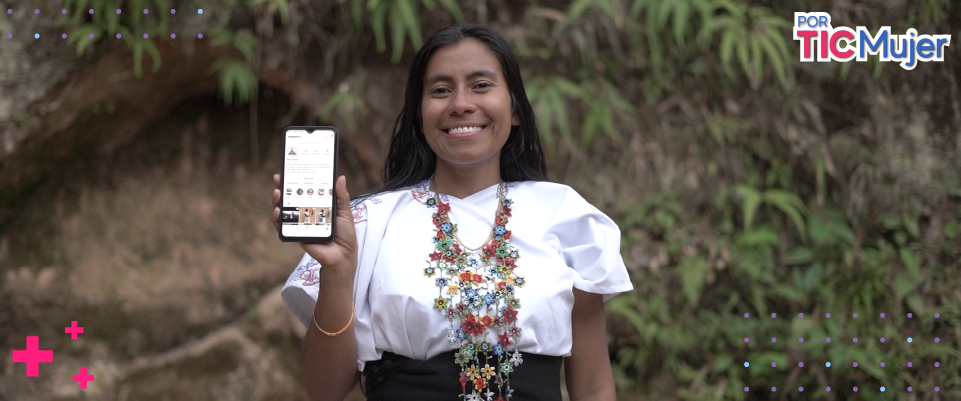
<point>588,370</point>
<point>330,362</point>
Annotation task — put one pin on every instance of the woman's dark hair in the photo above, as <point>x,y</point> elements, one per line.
<point>410,159</point>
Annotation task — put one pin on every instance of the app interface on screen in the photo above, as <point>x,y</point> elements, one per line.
<point>306,198</point>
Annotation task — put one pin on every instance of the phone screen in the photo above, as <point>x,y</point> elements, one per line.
<point>307,184</point>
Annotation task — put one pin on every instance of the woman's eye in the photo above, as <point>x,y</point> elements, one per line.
<point>439,91</point>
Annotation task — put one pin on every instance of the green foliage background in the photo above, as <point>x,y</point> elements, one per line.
<point>797,211</point>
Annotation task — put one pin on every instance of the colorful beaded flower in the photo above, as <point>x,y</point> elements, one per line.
<point>476,288</point>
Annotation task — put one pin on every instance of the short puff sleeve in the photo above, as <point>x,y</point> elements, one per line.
<point>590,243</point>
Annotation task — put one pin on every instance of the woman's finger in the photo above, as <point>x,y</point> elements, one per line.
<point>343,199</point>
<point>274,219</point>
<point>346,237</point>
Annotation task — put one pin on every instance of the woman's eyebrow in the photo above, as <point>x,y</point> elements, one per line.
<point>476,74</point>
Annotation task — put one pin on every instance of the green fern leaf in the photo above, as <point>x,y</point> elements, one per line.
<point>752,199</point>
<point>454,10</point>
<point>578,8</point>
<point>377,23</point>
<point>592,124</point>
<point>777,63</point>
<point>411,22</point>
<point>682,11</point>
<point>81,37</point>
<point>397,33</point>
<point>791,205</point>
<point>357,14</point>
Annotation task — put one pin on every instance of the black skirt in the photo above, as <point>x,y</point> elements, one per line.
<point>398,378</point>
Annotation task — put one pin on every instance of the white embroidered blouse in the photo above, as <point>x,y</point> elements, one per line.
<point>564,243</point>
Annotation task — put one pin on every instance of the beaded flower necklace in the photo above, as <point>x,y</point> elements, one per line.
<point>476,287</point>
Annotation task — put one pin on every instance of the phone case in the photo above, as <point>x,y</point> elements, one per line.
<point>333,188</point>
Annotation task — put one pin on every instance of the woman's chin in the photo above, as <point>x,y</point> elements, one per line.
<point>465,159</point>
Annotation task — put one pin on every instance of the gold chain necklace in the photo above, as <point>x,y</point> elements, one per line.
<point>490,237</point>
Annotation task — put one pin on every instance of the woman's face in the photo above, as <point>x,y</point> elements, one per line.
<point>466,106</point>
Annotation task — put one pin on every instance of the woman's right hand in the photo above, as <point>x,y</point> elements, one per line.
<point>340,255</point>
<point>329,363</point>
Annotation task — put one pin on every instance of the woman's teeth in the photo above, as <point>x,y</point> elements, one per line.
<point>463,130</point>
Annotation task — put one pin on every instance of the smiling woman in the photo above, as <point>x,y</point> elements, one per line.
<point>422,289</point>
<point>411,159</point>
<point>467,114</point>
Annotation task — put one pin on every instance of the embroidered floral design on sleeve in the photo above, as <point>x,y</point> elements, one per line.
<point>309,273</point>
<point>420,194</point>
<point>310,277</point>
<point>476,294</point>
<point>360,213</point>
<point>310,263</point>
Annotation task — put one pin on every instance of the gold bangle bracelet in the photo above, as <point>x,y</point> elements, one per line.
<point>341,330</point>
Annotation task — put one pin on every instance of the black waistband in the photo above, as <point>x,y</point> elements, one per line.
<point>398,378</point>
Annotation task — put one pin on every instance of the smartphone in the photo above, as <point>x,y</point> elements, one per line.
<point>307,198</point>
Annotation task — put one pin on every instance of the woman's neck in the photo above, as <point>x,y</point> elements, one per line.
<point>463,181</point>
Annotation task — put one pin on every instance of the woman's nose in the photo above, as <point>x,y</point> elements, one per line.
<point>462,102</point>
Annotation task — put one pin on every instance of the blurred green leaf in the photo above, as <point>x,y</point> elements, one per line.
<point>916,303</point>
<point>787,292</point>
<point>80,37</point>
<point>403,16</point>
<point>790,204</point>
<point>235,76</point>
<point>130,26</point>
<point>812,276</point>
<point>357,15</point>
<point>279,6</point>
<point>889,221</point>
<point>112,21</point>
<point>578,8</point>
<point>951,230</point>
<point>800,327</point>
<point>378,22</point>
<point>766,358</point>
<point>758,237</point>
<point>454,10</point>
<point>623,306</point>
<point>910,260</point>
<point>910,220</point>
<point>605,102</point>
<point>693,271</point>
<point>722,362</point>
<point>751,200</point>
<point>904,284</point>
<point>798,255</point>
<point>398,26</point>
<point>550,97</point>
<point>752,34</point>
<point>346,103</point>
<point>243,41</point>
<point>139,45</point>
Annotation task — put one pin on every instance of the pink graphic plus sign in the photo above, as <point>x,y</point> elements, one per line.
<point>73,330</point>
<point>32,356</point>
<point>83,378</point>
